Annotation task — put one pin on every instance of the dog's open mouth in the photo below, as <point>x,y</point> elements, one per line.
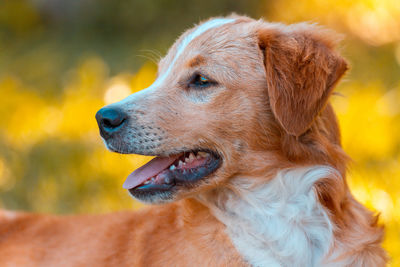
<point>162,173</point>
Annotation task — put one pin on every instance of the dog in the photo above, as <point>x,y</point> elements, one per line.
<point>248,164</point>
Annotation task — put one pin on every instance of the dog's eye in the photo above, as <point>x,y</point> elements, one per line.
<point>200,81</point>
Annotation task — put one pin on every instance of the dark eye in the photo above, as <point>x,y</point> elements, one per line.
<point>200,81</point>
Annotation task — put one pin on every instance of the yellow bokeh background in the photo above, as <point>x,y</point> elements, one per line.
<point>53,160</point>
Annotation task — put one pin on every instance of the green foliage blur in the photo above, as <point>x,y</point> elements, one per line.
<point>60,61</point>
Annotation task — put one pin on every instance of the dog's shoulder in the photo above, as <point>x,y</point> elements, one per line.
<point>10,220</point>
<point>6,215</point>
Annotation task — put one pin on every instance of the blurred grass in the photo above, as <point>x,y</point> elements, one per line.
<point>60,61</point>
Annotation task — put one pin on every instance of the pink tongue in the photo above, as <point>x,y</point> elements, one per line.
<point>150,169</point>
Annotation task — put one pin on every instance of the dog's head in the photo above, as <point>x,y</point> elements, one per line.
<point>232,96</point>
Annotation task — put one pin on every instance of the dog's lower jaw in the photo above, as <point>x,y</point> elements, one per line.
<point>166,179</point>
<point>158,198</point>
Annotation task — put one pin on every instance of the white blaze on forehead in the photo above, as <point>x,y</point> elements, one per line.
<point>179,51</point>
<point>184,43</point>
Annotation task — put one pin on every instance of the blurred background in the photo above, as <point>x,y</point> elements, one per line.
<point>61,60</point>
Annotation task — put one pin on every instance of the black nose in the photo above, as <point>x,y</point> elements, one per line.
<point>110,120</point>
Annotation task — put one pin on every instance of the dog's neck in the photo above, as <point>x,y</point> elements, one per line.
<point>278,223</point>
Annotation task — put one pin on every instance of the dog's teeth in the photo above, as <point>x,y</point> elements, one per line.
<point>147,182</point>
<point>172,167</point>
<point>191,157</point>
<point>203,154</point>
<point>187,159</point>
<point>180,163</point>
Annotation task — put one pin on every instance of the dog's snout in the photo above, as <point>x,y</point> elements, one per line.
<point>110,120</point>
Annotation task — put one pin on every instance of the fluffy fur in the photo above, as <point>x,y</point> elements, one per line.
<point>280,223</point>
<point>280,196</point>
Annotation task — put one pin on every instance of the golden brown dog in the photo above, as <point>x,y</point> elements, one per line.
<point>248,163</point>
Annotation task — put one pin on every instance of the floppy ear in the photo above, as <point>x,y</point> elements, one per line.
<point>302,69</point>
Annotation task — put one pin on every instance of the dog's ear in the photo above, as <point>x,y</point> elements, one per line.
<point>302,68</point>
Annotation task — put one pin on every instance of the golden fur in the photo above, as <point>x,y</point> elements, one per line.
<point>270,113</point>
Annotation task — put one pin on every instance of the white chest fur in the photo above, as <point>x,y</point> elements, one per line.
<point>280,223</point>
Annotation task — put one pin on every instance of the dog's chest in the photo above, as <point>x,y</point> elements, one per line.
<point>281,223</point>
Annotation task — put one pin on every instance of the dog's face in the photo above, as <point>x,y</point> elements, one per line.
<point>225,91</point>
